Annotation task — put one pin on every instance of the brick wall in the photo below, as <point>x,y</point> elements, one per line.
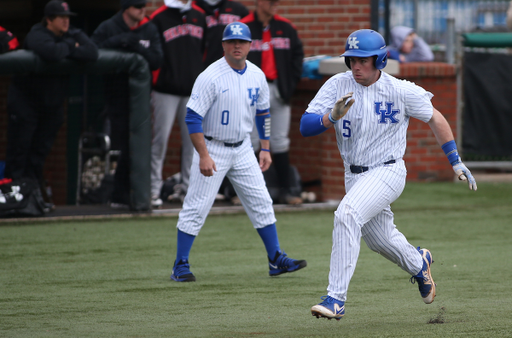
<point>424,157</point>
<point>323,26</point>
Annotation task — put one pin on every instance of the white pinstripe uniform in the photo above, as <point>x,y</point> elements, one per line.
<point>373,132</point>
<point>228,100</point>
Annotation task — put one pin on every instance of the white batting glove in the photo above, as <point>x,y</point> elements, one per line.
<point>464,174</point>
<point>341,107</point>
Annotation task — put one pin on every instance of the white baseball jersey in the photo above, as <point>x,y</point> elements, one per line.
<point>375,127</point>
<point>228,101</point>
<point>374,131</point>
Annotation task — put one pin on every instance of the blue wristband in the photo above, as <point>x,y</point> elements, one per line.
<point>263,149</point>
<point>450,150</point>
<point>333,121</point>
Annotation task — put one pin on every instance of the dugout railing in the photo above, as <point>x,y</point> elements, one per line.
<point>484,121</point>
<point>26,62</point>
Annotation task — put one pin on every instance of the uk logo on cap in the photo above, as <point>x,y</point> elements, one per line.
<point>65,6</point>
<point>236,30</point>
<point>352,43</point>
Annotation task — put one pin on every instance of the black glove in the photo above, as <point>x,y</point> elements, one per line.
<point>130,41</point>
<point>70,42</point>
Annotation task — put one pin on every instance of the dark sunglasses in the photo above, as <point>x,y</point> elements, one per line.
<point>139,6</point>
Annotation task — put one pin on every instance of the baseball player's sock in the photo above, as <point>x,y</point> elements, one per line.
<point>282,264</point>
<point>185,242</point>
<point>269,237</point>
<point>426,284</point>
<point>329,308</point>
<point>181,272</point>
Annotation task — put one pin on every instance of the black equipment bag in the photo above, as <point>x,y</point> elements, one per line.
<point>20,198</point>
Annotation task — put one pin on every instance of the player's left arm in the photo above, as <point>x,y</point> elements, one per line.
<point>444,137</point>
<point>263,126</point>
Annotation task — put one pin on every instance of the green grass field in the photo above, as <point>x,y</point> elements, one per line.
<point>111,278</point>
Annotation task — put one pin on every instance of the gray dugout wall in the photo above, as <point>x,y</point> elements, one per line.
<point>26,62</point>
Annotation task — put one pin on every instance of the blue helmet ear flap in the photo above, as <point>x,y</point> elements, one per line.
<point>381,60</point>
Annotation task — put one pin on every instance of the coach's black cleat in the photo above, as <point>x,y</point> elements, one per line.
<point>181,272</point>
<point>282,264</point>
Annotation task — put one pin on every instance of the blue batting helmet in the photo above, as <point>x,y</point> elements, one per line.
<point>364,43</point>
<point>237,31</point>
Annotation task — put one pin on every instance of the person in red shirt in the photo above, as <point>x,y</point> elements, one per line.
<point>277,50</point>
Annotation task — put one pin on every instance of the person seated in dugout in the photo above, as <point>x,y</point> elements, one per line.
<point>35,102</point>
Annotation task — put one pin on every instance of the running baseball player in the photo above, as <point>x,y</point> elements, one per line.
<point>227,99</point>
<point>370,112</point>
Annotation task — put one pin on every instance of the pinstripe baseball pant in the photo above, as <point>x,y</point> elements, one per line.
<point>242,168</point>
<point>365,212</point>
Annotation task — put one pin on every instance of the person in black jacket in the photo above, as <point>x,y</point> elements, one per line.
<point>34,102</point>
<point>131,31</point>
<point>219,13</point>
<point>181,26</point>
<point>277,50</point>
<point>8,41</point>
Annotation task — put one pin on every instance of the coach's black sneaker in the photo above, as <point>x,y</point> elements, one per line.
<point>424,278</point>
<point>181,272</point>
<point>282,264</point>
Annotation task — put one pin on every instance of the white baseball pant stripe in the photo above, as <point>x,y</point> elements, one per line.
<point>241,167</point>
<point>166,108</point>
<point>365,212</point>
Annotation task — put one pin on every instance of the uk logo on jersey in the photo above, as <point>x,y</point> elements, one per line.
<point>236,30</point>
<point>254,98</point>
<point>388,113</point>
<point>353,43</point>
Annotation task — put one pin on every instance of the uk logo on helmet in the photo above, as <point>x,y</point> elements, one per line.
<point>352,42</point>
<point>236,30</point>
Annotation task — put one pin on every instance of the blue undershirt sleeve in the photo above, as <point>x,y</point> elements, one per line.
<point>194,122</point>
<point>311,125</point>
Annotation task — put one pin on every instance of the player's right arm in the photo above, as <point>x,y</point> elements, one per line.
<point>313,124</point>
<point>194,123</point>
<point>206,163</point>
<point>327,107</point>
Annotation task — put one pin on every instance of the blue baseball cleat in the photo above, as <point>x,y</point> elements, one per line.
<point>282,264</point>
<point>181,272</point>
<point>424,278</point>
<point>330,308</point>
